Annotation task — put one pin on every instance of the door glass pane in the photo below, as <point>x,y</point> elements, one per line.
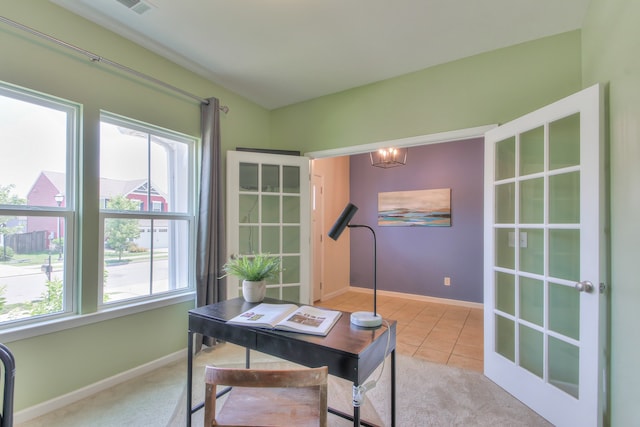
<point>531,350</point>
<point>271,209</point>
<point>290,269</point>
<point>506,158</point>
<point>273,292</point>
<point>532,250</point>
<point>271,178</point>
<point>532,201</point>
<point>564,310</point>
<point>505,203</point>
<point>291,293</point>
<point>531,300</point>
<point>505,292</point>
<point>248,208</point>
<point>564,198</point>
<point>291,209</point>
<point>291,240</point>
<point>505,248</point>
<point>290,179</point>
<point>505,337</point>
<point>564,254</point>
<point>564,142</point>
<point>248,239</point>
<point>532,151</point>
<point>564,362</point>
<point>248,177</point>
<point>271,239</point>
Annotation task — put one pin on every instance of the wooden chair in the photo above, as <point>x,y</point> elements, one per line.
<point>295,397</point>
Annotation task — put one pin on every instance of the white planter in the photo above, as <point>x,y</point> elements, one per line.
<point>254,291</point>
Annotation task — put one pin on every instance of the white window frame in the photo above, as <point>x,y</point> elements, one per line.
<point>188,216</point>
<point>68,212</point>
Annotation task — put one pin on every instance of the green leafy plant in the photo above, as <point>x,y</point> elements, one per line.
<point>254,268</point>
<point>50,300</point>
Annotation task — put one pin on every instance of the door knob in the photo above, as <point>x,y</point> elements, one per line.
<point>584,286</point>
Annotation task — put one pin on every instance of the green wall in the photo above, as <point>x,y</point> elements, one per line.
<point>611,43</point>
<point>452,96</point>
<point>51,365</point>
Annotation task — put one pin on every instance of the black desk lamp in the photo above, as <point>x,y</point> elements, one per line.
<point>359,318</point>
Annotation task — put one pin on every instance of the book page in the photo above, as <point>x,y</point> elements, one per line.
<point>264,315</point>
<point>311,320</point>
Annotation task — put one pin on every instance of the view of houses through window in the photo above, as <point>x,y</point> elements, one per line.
<point>145,201</point>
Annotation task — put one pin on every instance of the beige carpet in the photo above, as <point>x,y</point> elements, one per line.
<point>428,394</point>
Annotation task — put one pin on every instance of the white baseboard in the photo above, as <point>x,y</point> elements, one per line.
<point>415,297</point>
<point>76,395</point>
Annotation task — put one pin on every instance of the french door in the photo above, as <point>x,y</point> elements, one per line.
<point>545,249</point>
<point>268,211</point>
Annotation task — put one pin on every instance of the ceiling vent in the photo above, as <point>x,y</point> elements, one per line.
<point>138,6</point>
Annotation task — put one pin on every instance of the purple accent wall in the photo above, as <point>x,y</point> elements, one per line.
<point>415,260</point>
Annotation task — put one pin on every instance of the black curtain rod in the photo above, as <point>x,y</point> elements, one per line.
<point>98,58</point>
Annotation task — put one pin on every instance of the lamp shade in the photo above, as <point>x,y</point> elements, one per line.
<point>342,221</point>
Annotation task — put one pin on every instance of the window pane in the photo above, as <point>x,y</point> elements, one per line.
<point>564,142</point>
<point>150,169</point>
<point>505,292</point>
<point>532,151</point>
<point>271,178</point>
<point>32,268</point>
<point>147,257</point>
<point>532,201</point>
<point>505,203</point>
<point>33,143</point>
<point>505,158</point>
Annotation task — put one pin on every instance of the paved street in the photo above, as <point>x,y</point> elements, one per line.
<point>25,283</point>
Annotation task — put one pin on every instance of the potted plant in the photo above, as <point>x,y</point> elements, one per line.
<point>254,271</point>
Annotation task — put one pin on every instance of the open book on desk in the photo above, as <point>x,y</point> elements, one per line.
<point>289,317</point>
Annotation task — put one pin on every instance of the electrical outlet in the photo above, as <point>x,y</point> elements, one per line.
<point>447,281</point>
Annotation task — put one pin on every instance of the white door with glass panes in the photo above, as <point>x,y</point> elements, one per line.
<point>268,211</point>
<point>545,259</point>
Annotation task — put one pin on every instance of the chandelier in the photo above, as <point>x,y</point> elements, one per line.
<point>389,157</point>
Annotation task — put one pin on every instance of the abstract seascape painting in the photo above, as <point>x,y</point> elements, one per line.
<point>420,208</point>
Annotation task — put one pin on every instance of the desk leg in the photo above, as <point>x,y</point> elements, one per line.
<point>356,416</point>
<point>189,376</point>
<point>393,388</point>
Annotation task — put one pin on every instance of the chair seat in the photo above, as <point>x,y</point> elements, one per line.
<point>261,398</point>
<point>261,406</point>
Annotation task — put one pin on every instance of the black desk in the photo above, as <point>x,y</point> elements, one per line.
<point>350,352</point>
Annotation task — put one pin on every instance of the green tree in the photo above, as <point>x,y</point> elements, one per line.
<point>50,300</point>
<point>120,232</point>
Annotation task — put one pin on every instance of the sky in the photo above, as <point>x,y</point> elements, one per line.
<point>27,149</point>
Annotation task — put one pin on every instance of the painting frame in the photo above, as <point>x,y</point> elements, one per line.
<point>415,208</point>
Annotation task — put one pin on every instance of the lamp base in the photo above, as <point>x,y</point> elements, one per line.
<point>366,319</point>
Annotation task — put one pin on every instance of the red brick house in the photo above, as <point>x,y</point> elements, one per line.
<point>50,184</point>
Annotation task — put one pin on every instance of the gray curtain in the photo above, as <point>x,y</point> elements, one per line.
<point>210,249</point>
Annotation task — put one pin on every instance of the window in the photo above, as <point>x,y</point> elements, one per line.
<point>147,178</point>
<point>38,140</point>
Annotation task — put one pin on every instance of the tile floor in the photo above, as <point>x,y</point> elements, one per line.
<point>441,333</point>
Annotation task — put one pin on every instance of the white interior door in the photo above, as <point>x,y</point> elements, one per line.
<point>545,259</point>
<point>268,211</point>
<point>317,208</point>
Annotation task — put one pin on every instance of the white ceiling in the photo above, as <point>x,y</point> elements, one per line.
<point>279,52</point>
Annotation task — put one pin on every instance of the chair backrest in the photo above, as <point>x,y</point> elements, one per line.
<point>267,397</point>
<point>9,370</point>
